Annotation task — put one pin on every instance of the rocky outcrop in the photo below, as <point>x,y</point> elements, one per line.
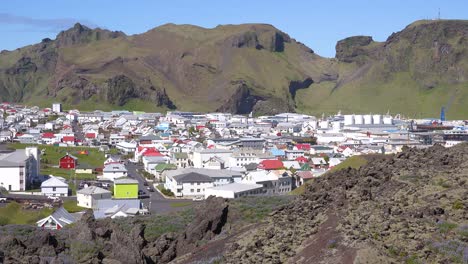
<point>207,224</point>
<point>296,85</point>
<point>242,101</point>
<point>398,206</point>
<point>22,66</point>
<point>162,99</point>
<point>261,37</point>
<point>80,34</point>
<point>120,89</point>
<point>352,49</point>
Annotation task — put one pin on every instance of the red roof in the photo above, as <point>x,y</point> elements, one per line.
<point>48,135</point>
<point>271,165</point>
<point>66,126</point>
<point>68,138</point>
<point>304,146</point>
<point>302,159</point>
<point>90,135</point>
<point>152,153</point>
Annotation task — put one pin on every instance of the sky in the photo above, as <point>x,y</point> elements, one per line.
<point>318,24</point>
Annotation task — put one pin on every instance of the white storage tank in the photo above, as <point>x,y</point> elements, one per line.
<point>377,119</point>
<point>388,120</point>
<point>368,119</point>
<point>358,120</point>
<point>349,120</point>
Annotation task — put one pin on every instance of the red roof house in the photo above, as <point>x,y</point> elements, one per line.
<point>48,135</point>
<point>68,139</point>
<point>303,146</point>
<point>90,135</point>
<point>302,159</point>
<point>271,165</point>
<point>68,162</point>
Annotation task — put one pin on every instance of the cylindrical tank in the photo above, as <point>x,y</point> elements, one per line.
<point>377,119</point>
<point>367,119</point>
<point>349,120</point>
<point>358,120</point>
<point>388,120</point>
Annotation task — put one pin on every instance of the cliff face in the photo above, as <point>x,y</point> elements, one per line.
<point>243,68</point>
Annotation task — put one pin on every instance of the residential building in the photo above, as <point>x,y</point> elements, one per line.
<point>57,220</point>
<point>113,171</point>
<point>190,184</point>
<point>201,156</point>
<point>68,162</point>
<point>234,190</point>
<point>125,188</point>
<point>54,187</point>
<point>88,197</point>
<point>19,169</point>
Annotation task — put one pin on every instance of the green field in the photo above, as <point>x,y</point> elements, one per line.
<point>12,213</point>
<point>52,154</point>
<point>72,207</point>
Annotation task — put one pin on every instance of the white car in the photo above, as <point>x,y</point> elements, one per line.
<point>3,200</point>
<point>53,198</point>
<point>198,198</point>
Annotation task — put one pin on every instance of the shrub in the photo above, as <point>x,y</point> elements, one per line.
<point>457,205</point>
<point>445,227</point>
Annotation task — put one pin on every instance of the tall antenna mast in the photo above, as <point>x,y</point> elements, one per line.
<point>439,14</point>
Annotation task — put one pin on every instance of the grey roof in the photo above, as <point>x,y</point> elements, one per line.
<point>13,159</point>
<point>192,177</point>
<point>208,172</point>
<point>62,216</point>
<point>92,190</point>
<point>237,187</point>
<point>113,167</point>
<point>110,205</point>
<point>125,181</point>
<point>53,182</point>
<point>216,151</point>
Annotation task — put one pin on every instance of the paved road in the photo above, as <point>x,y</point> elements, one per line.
<point>156,202</point>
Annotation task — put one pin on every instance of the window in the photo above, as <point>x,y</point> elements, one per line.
<point>198,190</point>
<point>191,190</point>
<point>54,189</point>
<point>198,183</point>
<point>191,183</point>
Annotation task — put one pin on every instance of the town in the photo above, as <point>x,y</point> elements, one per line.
<point>125,164</point>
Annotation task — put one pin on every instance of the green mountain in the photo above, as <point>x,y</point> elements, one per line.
<point>243,68</point>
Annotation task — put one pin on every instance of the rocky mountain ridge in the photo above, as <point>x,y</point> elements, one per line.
<point>243,68</point>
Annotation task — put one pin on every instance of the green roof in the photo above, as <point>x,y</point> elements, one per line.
<point>164,166</point>
<point>305,167</point>
<point>180,155</point>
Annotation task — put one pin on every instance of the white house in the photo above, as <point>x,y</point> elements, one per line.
<point>54,187</point>
<point>19,169</point>
<point>201,156</point>
<point>190,184</point>
<point>234,190</point>
<point>57,220</point>
<point>87,197</point>
<point>113,171</point>
<point>292,154</point>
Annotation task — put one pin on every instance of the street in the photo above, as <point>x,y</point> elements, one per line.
<point>156,202</point>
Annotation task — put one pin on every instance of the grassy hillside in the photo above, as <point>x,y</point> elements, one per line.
<point>243,68</point>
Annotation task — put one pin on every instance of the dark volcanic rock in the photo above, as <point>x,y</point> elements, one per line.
<point>349,49</point>
<point>82,34</point>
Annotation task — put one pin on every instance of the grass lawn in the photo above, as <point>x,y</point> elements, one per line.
<point>12,213</point>
<point>181,204</point>
<point>71,207</point>
<point>52,155</point>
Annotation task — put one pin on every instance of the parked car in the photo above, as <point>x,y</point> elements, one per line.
<point>53,198</point>
<point>145,183</point>
<point>150,189</point>
<point>198,198</point>
<point>3,200</point>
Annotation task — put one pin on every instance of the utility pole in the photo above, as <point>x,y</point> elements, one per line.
<point>439,14</point>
